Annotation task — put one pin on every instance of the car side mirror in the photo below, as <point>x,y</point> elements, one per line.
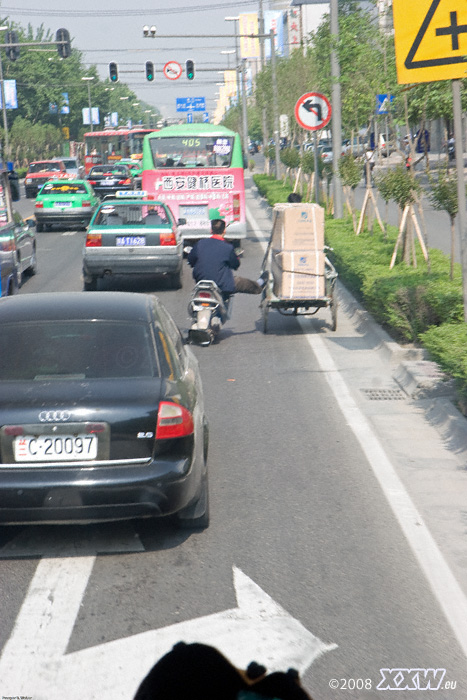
<point>181,222</point>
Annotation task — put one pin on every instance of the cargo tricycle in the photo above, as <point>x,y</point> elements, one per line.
<point>282,296</point>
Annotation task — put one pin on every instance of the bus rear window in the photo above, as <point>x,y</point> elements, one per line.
<point>192,151</point>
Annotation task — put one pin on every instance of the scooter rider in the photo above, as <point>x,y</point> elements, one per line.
<point>214,259</point>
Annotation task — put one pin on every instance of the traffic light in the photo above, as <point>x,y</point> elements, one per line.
<point>62,39</point>
<point>12,52</point>
<point>190,69</point>
<point>113,72</point>
<point>149,70</point>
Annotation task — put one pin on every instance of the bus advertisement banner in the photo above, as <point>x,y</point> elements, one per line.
<point>192,195</point>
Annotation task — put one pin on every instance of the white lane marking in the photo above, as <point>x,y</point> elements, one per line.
<point>44,625</point>
<point>442,581</point>
<point>34,664</point>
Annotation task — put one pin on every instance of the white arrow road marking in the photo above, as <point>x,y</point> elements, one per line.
<point>33,662</point>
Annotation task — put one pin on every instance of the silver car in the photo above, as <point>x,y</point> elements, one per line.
<point>73,167</point>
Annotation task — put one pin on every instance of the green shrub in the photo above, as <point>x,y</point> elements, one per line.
<point>447,344</point>
<point>406,300</point>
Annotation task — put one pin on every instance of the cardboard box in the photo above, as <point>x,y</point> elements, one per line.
<point>298,227</point>
<point>298,274</point>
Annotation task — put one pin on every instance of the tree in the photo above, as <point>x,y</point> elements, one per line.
<point>443,197</point>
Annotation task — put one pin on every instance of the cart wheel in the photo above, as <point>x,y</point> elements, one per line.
<point>265,310</point>
<point>334,310</point>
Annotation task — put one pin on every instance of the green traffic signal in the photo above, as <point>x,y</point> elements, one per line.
<point>113,72</point>
<point>149,70</point>
<point>190,69</point>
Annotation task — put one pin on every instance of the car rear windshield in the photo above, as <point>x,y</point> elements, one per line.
<point>76,350</point>
<point>192,151</point>
<point>99,170</point>
<point>132,215</point>
<point>70,164</point>
<point>53,166</point>
<point>59,188</point>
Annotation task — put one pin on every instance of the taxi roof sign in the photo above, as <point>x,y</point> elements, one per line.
<point>430,40</point>
<point>127,194</point>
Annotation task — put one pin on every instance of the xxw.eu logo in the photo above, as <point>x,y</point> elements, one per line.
<point>411,678</point>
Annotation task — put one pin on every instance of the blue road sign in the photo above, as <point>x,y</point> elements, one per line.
<point>191,104</point>
<point>206,117</point>
<point>189,118</point>
<point>383,103</point>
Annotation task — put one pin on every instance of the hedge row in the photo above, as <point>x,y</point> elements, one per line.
<point>413,304</point>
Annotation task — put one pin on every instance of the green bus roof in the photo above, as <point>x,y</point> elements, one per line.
<point>192,130</point>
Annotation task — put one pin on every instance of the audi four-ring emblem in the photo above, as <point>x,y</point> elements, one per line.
<point>54,416</point>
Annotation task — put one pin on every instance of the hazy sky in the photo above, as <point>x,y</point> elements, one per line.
<point>107,30</point>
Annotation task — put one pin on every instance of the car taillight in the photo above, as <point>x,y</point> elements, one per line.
<point>14,430</point>
<point>168,238</point>
<point>93,240</point>
<point>125,182</point>
<point>173,421</point>
<point>86,203</point>
<point>92,182</point>
<point>39,205</point>
<point>236,207</point>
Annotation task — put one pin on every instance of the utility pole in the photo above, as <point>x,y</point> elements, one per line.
<point>336,110</point>
<point>5,120</point>
<point>275,100</point>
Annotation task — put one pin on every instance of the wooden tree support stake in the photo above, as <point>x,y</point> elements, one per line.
<point>369,196</point>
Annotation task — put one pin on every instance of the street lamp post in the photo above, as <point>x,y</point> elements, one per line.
<point>88,80</point>
<point>336,109</point>
<point>240,71</point>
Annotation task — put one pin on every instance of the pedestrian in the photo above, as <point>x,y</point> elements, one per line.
<point>369,165</point>
<point>294,198</point>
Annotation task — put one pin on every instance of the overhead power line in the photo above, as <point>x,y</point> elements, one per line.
<point>129,12</point>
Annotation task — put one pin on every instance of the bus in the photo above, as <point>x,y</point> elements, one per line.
<point>110,145</point>
<point>196,168</point>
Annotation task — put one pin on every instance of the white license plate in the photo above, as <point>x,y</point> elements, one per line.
<point>55,448</point>
<point>62,205</point>
<point>108,181</point>
<point>193,212</point>
<point>130,240</point>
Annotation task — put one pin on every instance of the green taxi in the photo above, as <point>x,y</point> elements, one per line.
<point>66,202</point>
<point>133,235</point>
<point>136,169</point>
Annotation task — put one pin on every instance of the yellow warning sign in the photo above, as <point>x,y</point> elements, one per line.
<point>431,40</point>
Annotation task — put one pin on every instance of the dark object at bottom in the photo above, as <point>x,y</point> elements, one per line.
<point>201,672</point>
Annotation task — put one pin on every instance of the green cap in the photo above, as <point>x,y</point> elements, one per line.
<point>215,214</point>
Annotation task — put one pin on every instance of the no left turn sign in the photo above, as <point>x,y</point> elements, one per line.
<point>172,70</point>
<point>313,111</point>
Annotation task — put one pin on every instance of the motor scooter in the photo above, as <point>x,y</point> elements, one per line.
<point>209,310</point>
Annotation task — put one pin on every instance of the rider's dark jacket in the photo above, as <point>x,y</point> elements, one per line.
<point>214,259</point>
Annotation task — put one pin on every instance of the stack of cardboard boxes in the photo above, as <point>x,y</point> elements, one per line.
<point>297,249</point>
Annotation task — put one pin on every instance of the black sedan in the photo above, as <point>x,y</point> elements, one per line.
<point>108,179</point>
<point>101,412</point>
